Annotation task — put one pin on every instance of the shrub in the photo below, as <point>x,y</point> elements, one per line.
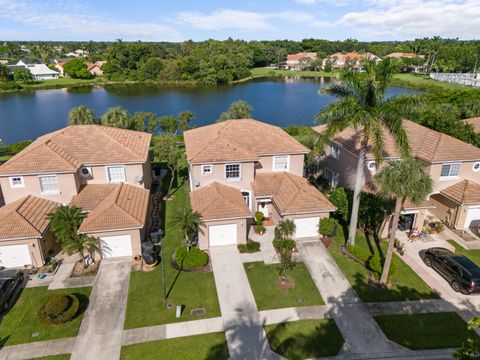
<point>195,258</point>
<point>359,253</point>
<point>59,309</point>
<point>375,265</point>
<point>326,226</point>
<point>249,247</point>
<point>259,216</point>
<point>280,244</point>
<point>260,229</point>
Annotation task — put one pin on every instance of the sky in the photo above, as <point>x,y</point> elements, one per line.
<point>150,20</point>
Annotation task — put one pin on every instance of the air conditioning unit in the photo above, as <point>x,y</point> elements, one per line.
<point>86,172</point>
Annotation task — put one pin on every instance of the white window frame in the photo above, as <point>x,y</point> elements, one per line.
<point>327,170</point>
<point>274,162</point>
<point>335,151</point>
<point>247,198</point>
<point>239,172</point>
<point>16,186</point>
<point>204,167</point>
<point>450,176</point>
<point>49,192</point>
<point>107,169</point>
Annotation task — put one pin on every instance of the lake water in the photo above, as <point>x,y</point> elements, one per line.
<point>279,101</point>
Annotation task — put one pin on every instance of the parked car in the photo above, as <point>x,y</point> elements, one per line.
<point>10,280</point>
<point>462,274</point>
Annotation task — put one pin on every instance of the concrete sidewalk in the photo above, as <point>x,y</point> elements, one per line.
<point>244,331</point>
<point>361,333</point>
<point>101,332</point>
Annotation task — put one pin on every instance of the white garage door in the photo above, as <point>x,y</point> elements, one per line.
<point>307,227</point>
<point>115,246</point>
<point>15,256</point>
<point>222,234</point>
<point>473,217</point>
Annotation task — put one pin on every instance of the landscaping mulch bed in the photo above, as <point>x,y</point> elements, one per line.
<point>80,270</point>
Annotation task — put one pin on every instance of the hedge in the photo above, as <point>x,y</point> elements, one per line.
<point>249,247</point>
<point>59,309</point>
<point>195,258</point>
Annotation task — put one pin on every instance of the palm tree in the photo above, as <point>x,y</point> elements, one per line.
<point>81,115</point>
<point>116,117</point>
<point>189,221</point>
<point>364,107</point>
<point>404,179</point>
<point>238,110</point>
<point>285,229</point>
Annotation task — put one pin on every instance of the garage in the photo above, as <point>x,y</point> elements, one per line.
<point>15,256</point>
<point>116,246</point>
<point>222,234</point>
<point>306,227</point>
<point>473,217</point>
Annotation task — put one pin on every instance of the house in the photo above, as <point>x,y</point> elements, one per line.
<point>350,59</point>
<point>299,61</point>
<point>453,165</point>
<point>475,122</point>
<point>77,53</point>
<point>238,167</point>
<point>105,171</point>
<point>39,72</point>
<point>94,69</point>
<point>399,55</point>
<point>59,64</point>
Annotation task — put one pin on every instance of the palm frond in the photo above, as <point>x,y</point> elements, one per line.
<point>375,134</point>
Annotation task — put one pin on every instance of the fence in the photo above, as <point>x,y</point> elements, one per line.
<point>463,79</point>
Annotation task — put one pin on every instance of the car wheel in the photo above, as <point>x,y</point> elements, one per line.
<point>456,286</point>
<point>428,261</point>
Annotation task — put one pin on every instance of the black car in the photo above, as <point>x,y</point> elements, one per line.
<point>461,273</point>
<point>10,280</point>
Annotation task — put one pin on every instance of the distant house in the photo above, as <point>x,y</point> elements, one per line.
<point>78,53</point>
<point>39,72</point>
<point>397,55</point>
<point>299,61</point>
<point>350,59</point>
<point>95,69</point>
<point>3,62</point>
<point>59,63</point>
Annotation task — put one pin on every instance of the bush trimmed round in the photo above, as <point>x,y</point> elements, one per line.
<point>59,309</point>
<point>193,259</point>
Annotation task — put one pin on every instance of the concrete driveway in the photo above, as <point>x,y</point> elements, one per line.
<point>100,335</point>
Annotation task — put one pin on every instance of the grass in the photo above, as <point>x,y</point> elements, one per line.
<point>426,331</point>
<point>407,284</point>
<point>265,71</point>
<point>268,295</point>
<point>200,347</point>
<point>5,157</point>
<point>424,82</point>
<point>305,339</point>
<point>473,255</point>
<point>146,306</point>
<point>22,321</point>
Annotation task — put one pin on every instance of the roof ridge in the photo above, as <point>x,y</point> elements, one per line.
<point>286,175</point>
<point>102,129</point>
<point>59,150</point>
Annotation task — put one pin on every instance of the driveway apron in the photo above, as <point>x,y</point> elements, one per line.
<point>244,331</point>
<point>100,335</point>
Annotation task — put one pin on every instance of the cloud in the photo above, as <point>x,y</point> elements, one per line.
<point>67,18</point>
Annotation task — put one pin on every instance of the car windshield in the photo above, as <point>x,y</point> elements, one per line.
<point>468,265</point>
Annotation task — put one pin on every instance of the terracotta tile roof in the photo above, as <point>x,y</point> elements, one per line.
<point>217,201</point>
<point>475,122</point>
<point>301,55</point>
<point>67,149</point>
<point>400,55</point>
<point>25,218</point>
<point>464,192</point>
<point>112,206</point>
<point>425,144</point>
<point>352,56</point>
<point>373,188</point>
<point>238,140</point>
<point>290,193</point>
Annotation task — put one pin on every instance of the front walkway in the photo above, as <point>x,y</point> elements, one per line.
<point>361,333</point>
<point>100,335</point>
<point>244,331</point>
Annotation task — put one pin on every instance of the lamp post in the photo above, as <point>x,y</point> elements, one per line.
<point>158,236</point>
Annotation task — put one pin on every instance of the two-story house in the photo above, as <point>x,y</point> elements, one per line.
<point>453,165</point>
<point>103,170</point>
<point>238,167</point>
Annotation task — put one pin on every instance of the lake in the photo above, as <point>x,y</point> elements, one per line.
<point>279,101</point>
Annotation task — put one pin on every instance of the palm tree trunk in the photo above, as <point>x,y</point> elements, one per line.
<point>391,241</point>
<point>172,171</point>
<point>352,230</point>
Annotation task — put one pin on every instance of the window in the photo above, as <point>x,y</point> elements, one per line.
<point>207,169</point>
<point>329,176</point>
<point>281,163</point>
<point>17,182</point>
<point>246,197</point>
<point>450,170</point>
<point>49,184</point>
<point>116,174</point>
<point>232,171</point>
<point>335,152</point>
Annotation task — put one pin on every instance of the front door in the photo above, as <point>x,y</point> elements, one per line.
<point>263,208</point>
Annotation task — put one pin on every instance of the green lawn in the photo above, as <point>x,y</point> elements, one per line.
<point>268,295</point>
<point>22,321</point>
<point>146,305</point>
<point>423,82</point>
<point>305,339</point>
<point>473,255</point>
<point>5,157</point>
<point>200,347</point>
<point>407,284</point>
<point>264,71</point>
<point>425,331</point>
<point>54,357</point>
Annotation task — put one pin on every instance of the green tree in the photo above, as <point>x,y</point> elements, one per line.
<point>471,347</point>
<point>184,119</point>
<point>364,107</point>
<point>285,229</point>
<point>4,73</point>
<point>168,124</point>
<point>189,221</point>
<point>403,179</point>
<point>81,115</point>
<point>116,117</point>
<point>338,197</point>
<point>168,150</point>
<point>238,110</point>
<point>77,69</point>
<point>152,68</point>
<point>22,75</point>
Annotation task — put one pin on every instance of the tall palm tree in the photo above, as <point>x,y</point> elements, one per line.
<point>81,115</point>
<point>65,222</point>
<point>285,229</point>
<point>364,107</point>
<point>189,221</point>
<point>404,179</point>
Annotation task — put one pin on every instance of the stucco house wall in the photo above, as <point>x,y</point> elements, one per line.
<point>296,164</point>
<point>465,172</point>
<point>247,174</point>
